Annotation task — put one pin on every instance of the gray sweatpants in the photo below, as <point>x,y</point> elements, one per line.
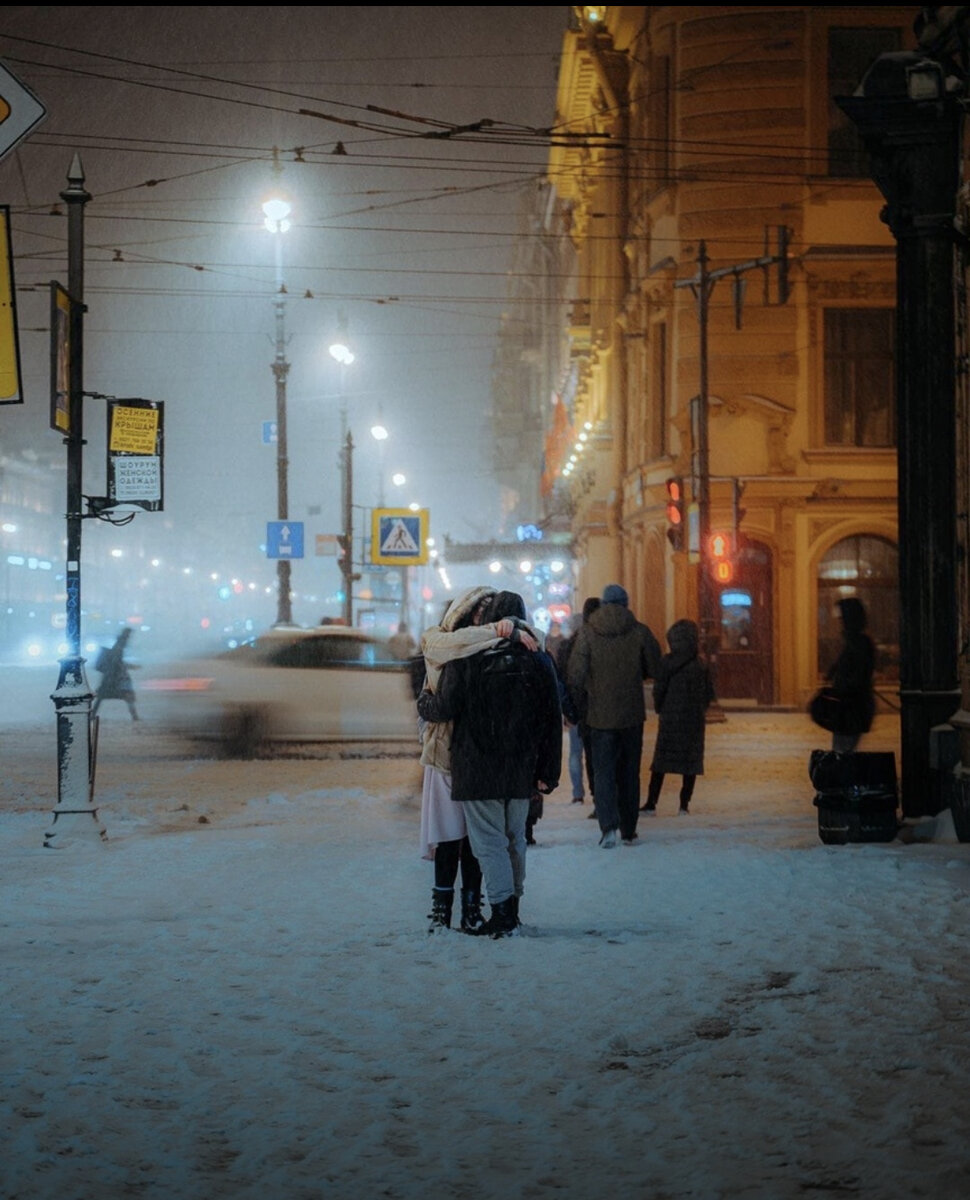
<point>496,830</point>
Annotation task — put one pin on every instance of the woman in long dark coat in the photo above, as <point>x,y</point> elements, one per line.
<point>682,692</point>
<point>850,676</point>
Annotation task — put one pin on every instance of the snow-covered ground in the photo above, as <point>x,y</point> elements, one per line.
<point>235,995</point>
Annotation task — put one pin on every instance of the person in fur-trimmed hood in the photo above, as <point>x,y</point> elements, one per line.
<point>682,692</point>
<point>459,635</point>
<point>506,745</point>
<point>444,837</point>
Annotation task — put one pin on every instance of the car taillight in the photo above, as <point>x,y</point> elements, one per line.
<point>189,684</point>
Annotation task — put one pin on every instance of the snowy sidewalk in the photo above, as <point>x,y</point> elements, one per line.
<point>235,996</point>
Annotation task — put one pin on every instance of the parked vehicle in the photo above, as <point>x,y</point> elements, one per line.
<point>327,684</point>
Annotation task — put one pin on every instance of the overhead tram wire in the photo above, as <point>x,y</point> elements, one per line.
<point>794,167</point>
<point>445,128</point>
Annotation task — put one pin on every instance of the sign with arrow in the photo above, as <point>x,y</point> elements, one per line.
<point>20,111</point>
<point>284,539</point>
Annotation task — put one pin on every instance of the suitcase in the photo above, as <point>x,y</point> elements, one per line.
<point>856,796</point>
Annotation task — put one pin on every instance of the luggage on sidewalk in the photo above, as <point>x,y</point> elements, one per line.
<point>856,796</point>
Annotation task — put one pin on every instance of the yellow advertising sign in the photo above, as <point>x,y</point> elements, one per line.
<point>133,430</point>
<point>60,359</point>
<point>10,386</point>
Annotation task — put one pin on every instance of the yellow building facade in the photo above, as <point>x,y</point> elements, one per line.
<point>732,327</point>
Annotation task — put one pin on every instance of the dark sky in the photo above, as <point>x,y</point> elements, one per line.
<point>176,112</point>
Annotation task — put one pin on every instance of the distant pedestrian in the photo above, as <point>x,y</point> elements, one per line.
<point>554,640</point>
<point>506,744</point>
<point>574,713</point>
<point>850,677</point>
<point>115,675</point>
<point>682,693</point>
<point>401,644</point>
<point>613,655</point>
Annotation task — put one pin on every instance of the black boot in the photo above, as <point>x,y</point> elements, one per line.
<point>440,915</point>
<point>472,918</point>
<point>503,922</point>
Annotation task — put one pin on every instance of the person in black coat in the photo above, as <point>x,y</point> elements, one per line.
<point>506,744</point>
<point>116,681</point>
<point>850,676</point>
<point>682,692</point>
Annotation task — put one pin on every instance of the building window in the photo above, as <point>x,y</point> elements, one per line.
<point>864,567</point>
<point>860,383</point>
<point>850,54</point>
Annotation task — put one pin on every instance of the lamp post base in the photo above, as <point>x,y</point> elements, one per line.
<point>75,817</point>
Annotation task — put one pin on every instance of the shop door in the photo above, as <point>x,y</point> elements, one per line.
<point>745,665</point>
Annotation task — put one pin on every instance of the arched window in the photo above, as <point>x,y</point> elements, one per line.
<point>864,567</point>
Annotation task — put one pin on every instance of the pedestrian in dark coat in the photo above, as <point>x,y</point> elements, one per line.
<point>574,712</point>
<point>115,675</point>
<point>851,676</point>
<point>613,655</point>
<point>682,692</point>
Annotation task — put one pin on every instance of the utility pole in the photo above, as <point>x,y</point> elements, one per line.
<point>277,212</point>
<point>74,814</point>
<point>281,368</point>
<point>702,285</point>
<point>347,538</point>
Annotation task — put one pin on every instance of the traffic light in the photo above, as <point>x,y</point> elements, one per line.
<point>719,555</point>
<point>676,527</point>
<point>345,557</point>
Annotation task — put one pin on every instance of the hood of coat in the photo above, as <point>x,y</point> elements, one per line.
<point>612,620</point>
<point>463,606</point>
<point>853,614</point>
<point>683,638</point>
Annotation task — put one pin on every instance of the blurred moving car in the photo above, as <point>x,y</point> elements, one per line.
<point>327,684</point>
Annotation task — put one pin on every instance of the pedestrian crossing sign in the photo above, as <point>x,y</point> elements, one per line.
<point>399,535</point>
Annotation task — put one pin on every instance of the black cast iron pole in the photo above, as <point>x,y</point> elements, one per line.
<point>913,137</point>
<point>74,814</point>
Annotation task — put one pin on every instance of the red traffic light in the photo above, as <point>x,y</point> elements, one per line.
<point>675,501</point>
<point>675,511</point>
<point>719,545</point>
<point>719,551</point>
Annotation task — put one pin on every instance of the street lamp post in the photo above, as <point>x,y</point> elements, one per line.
<point>277,211</point>
<point>344,356</point>
<point>75,815</point>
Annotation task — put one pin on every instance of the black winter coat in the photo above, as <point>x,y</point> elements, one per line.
<point>612,656</point>
<point>682,692</point>
<point>499,749</point>
<point>851,678</point>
